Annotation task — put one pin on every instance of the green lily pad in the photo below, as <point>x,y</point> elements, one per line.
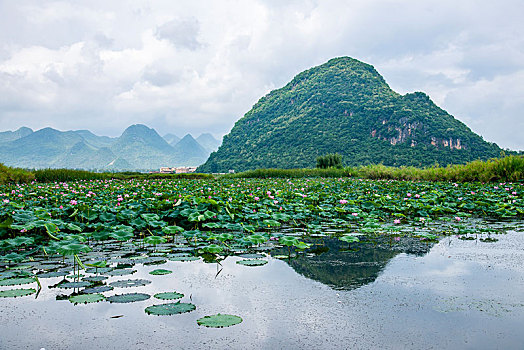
<point>80,284</point>
<point>14,293</point>
<point>98,289</point>
<point>129,283</point>
<point>170,309</point>
<point>120,272</point>
<point>184,258</point>
<point>128,298</point>
<point>160,272</point>
<point>86,298</point>
<point>219,321</point>
<point>252,262</point>
<point>17,281</point>
<point>95,278</point>
<point>169,296</point>
<point>52,274</point>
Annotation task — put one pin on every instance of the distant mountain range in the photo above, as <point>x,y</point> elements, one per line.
<point>138,148</point>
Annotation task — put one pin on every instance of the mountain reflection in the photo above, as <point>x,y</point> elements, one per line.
<point>331,263</point>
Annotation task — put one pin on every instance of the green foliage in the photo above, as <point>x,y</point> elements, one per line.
<point>329,161</point>
<point>219,321</point>
<point>170,308</point>
<point>510,168</point>
<point>344,106</point>
<point>87,298</point>
<point>14,175</point>
<point>128,298</point>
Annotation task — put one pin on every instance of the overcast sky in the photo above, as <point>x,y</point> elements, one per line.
<point>198,66</point>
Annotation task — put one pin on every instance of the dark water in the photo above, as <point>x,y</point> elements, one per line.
<point>453,295</point>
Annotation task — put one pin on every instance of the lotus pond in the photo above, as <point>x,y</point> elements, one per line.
<point>307,263</point>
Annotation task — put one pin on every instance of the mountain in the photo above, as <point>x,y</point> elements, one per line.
<point>345,106</point>
<point>172,139</point>
<point>207,141</point>
<point>7,136</point>
<point>40,149</point>
<point>95,140</point>
<point>138,148</point>
<point>143,148</point>
<point>189,152</point>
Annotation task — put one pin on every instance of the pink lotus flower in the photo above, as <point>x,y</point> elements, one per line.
<point>408,195</point>
<point>343,201</point>
<point>73,202</point>
<point>256,198</point>
<point>354,214</point>
<point>396,221</point>
<point>458,218</point>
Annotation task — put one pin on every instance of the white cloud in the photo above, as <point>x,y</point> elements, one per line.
<point>199,66</point>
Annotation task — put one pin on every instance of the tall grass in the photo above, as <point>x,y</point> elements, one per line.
<point>510,168</point>
<point>62,175</point>
<point>14,175</point>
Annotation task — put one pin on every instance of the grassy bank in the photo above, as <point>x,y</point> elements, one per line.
<point>14,175</point>
<point>509,168</point>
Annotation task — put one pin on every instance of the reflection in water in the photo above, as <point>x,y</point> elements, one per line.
<point>331,263</point>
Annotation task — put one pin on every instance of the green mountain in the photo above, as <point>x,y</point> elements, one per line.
<point>207,141</point>
<point>138,148</point>
<point>143,148</point>
<point>189,152</point>
<point>172,139</point>
<point>7,136</point>
<point>345,106</point>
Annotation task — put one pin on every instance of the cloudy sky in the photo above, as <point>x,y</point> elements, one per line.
<point>198,66</point>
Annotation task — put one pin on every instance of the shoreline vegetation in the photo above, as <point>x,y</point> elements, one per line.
<point>509,168</point>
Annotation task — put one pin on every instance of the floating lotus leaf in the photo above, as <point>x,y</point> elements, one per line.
<point>80,284</point>
<point>128,298</point>
<point>252,256</point>
<point>252,262</point>
<point>52,274</point>
<point>98,289</point>
<point>129,283</point>
<point>86,298</point>
<point>213,248</point>
<point>120,272</point>
<point>154,240</point>
<point>95,278</point>
<point>170,309</point>
<point>22,267</point>
<point>99,270</point>
<point>160,272</point>
<point>349,239</point>
<point>15,273</point>
<point>168,295</point>
<point>184,258</point>
<point>154,261</point>
<point>17,281</point>
<point>219,321</point>
<point>288,240</point>
<point>13,293</point>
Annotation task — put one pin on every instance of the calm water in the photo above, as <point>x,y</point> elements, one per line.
<point>453,295</point>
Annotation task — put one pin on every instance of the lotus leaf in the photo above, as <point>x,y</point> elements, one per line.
<point>170,308</point>
<point>160,272</point>
<point>128,298</point>
<point>14,293</point>
<point>219,321</point>
<point>252,262</point>
<point>86,298</point>
<point>17,281</point>
<point>168,295</point>
<point>130,283</point>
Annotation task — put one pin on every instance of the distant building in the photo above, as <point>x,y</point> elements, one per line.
<point>178,170</point>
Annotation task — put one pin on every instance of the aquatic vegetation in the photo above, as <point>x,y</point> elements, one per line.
<point>252,262</point>
<point>128,298</point>
<point>170,309</point>
<point>86,298</point>
<point>169,295</point>
<point>219,321</point>
<point>15,293</point>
